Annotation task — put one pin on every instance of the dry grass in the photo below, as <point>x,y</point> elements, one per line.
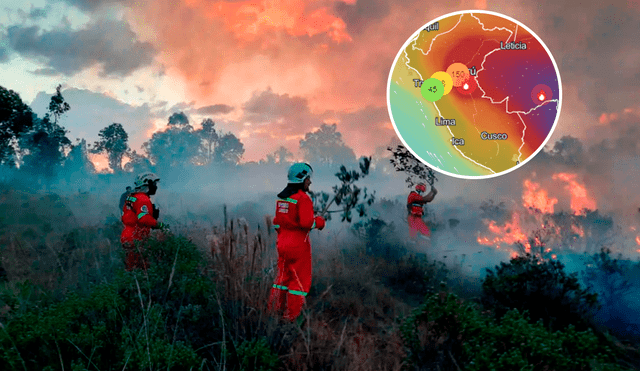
<point>350,321</point>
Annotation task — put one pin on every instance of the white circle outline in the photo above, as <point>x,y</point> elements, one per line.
<point>460,176</point>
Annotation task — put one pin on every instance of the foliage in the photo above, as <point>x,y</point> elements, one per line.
<point>209,138</point>
<point>113,142</point>
<point>57,105</point>
<point>137,163</point>
<point>229,150</point>
<point>178,119</point>
<point>280,156</point>
<point>78,161</point>
<point>614,280</point>
<point>180,145</point>
<point>45,145</point>
<point>376,234</point>
<point>325,146</point>
<point>257,355</point>
<point>609,277</point>
<point>451,334</point>
<point>347,194</point>
<point>132,320</point>
<point>543,289</point>
<point>567,150</point>
<point>418,172</point>
<point>16,118</point>
<point>177,146</point>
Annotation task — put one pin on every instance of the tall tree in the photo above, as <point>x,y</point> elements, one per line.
<point>16,118</point>
<point>78,167</point>
<point>45,145</point>
<point>58,106</point>
<point>178,119</point>
<point>209,138</point>
<point>229,150</point>
<point>280,156</point>
<point>325,145</point>
<point>113,142</point>
<point>177,146</point>
<point>137,163</point>
<point>283,155</point>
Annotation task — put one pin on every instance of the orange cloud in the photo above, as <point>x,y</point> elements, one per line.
<point>247,20</point>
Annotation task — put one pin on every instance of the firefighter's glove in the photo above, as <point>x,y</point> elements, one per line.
<point>320,223</point>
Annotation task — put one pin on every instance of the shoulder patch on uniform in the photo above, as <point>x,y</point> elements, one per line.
<point>283,207</point>
<point>144,209</point>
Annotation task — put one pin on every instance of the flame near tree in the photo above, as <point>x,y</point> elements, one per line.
<point>548,227</point>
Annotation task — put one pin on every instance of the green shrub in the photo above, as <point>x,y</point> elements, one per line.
<point>447,332</point>
<point>140,319</point>
<point>257,355</point>
<point>543,289</point>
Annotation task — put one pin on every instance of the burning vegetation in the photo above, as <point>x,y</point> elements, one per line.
<point>537,227</point>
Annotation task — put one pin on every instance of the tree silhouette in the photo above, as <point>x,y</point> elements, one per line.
<point>568,150</point>
<point>137,163</point>
<point>229,150</point>
<point>57,105</point>
<point>209,138</point>
<point>178,119</point>
<point>16,118</point>
<point>45,145</point>
<point>113,142</point>
<point>280,156</point>
<point>325,145</point>
<point>178,145</point>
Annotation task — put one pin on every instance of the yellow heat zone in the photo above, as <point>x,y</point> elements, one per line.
<point>446,79</point>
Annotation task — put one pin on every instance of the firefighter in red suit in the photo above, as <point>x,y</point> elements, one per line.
<point>294,221</point>
<point>139,215</point>
<point>415,201</point>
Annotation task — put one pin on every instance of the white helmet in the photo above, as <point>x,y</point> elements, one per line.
<point>143,179</point>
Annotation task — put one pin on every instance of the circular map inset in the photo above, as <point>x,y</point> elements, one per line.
<point>498,102</point>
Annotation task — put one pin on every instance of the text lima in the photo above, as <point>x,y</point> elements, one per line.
<point>445,122</point>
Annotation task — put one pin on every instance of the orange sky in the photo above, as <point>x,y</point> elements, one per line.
<point>308,62</point>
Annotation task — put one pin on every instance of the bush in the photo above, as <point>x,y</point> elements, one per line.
<point>449,334</point>
<point>140,319</point>
<point>615,281</point>
<point>257,355</point>
<point>542,288</point>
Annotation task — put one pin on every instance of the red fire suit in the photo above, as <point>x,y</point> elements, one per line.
<point>416,224</point>
<point>293,221</point>
<point>138,220</point>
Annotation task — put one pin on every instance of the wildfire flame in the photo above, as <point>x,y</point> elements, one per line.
<point>577,230</point>
<point>509,234</point>
<point>579,199</point>
<point>541,96</point>
<point>638,240</point>
<point>540,204</point>
<point>534,197</point>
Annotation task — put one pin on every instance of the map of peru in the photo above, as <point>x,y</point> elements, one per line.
<point>474,94</point>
